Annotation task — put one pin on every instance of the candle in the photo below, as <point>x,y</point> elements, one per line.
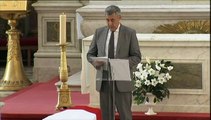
<point>62,27</point>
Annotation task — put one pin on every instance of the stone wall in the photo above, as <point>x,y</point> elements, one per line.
<point>143,18</point>
<point>84,16</point>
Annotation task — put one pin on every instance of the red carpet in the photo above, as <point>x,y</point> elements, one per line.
<point>39,100</point>
<point>170,116</point>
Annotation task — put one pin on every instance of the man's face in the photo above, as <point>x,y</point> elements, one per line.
<point>113,21</point>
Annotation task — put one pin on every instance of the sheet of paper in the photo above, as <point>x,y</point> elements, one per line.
<point>104,59</point>
<point>120,70</point>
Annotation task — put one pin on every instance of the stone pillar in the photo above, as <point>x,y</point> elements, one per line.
<point>47,58</point>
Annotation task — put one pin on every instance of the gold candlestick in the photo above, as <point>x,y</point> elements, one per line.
<point>64,99</point>
<point>14,77</point>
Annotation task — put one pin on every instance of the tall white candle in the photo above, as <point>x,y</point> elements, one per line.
<point>62,27</point>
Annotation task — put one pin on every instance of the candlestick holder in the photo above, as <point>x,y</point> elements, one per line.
<point>64,98</point>
<point>14,77</point>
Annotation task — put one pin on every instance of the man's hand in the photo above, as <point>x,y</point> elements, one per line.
<point>98,64</point>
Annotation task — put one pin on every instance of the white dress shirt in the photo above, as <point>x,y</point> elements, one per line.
<point>116,34</point>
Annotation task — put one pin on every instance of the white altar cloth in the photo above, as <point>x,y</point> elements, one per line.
<point>76,114</point>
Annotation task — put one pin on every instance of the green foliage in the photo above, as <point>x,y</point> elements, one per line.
<point>151,77</point>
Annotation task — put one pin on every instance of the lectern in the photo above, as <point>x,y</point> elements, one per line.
<point>14,77</point>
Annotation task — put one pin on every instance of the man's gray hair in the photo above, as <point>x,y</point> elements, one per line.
<point>112,9</point>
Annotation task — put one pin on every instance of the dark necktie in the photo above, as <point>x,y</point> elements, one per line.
<point>111,46</point>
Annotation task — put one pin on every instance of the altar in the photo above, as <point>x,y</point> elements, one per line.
<point>190,55</point>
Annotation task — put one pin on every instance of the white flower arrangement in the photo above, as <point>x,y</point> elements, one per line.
<point>151,77</point>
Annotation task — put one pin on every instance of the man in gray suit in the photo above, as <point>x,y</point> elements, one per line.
<point>125,46</point>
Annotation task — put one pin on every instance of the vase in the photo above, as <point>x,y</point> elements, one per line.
<point>150,104</point>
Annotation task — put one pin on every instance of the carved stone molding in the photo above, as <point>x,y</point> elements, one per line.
<point>143,18</point>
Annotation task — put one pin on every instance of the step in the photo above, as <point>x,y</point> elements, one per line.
<point>74,82</point>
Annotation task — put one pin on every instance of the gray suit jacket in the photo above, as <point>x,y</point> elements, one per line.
<point>127,48</point>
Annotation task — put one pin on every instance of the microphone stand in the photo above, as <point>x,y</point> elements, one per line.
<point>111,83</point>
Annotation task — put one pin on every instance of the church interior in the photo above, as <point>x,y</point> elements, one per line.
<point>40,76</point>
